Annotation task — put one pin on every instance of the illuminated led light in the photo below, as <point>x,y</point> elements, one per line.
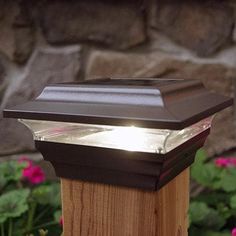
<point>133,132</point>
<point>128,138</point>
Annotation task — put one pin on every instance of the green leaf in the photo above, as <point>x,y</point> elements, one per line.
<point>3,181</point>
<point>213,199</point>
<point>206,174</point>
<point>213,220</point>
<point>48,194</point>
<point>57,215</point>
<point>195,231</point>
<point>198,211</point>
<point>232,171</point>
<point>228,180</point>
<point>200,156</point>
<point>13,204</point>
<point>233,202</point>
<point>3,218</point>
<point>12,170</point>
<point>224,210</point>
<point>204,216</point>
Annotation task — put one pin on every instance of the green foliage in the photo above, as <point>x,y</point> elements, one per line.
<point>194,231</point>
<point>203,215</point>
<point>198,211</point>
<point>227,183</point>
<point>3,180</point>
<point>13,204</point>
<point>12,170</point>
<point>47,194</point>
<point>213,211</point>
<point>26,208</point>
<point>57,215</point>
<point>205,173</point>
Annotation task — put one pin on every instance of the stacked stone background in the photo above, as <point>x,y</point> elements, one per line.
<point>45,42</point>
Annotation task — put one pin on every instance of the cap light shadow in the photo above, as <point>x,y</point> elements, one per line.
<point>136,133</point>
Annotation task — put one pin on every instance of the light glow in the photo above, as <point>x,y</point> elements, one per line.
<point>119,137</point>
<point>128,138</point>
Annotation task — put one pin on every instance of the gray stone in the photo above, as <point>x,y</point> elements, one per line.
<point>118,25</point>
<point>33,156</point>
<point>2,72</point>
<point>23,34</point>
<point>9,11</point>
<point>2,81</point>
<point>222,137</point>
<point>47,65</point>
<point>15,137</point>
<point>24,44</point>
<point>215,76</point>
<point>2,3</point>
<point>234,32</point>
<point>24,18</point>
<point>202,27</point>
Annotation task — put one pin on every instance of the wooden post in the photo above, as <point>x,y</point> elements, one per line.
<point>105,210</point>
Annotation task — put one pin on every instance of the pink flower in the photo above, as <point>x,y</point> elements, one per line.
<point>225,162</point>
<point>233,232</point>
<point>232,161</point>
<point>61,221</point>
<point>222,162</point>
<point>34,174</point>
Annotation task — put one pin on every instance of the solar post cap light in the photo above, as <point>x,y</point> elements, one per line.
<point>135,133</point>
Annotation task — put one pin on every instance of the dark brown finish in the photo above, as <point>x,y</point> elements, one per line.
<point>152,103</point>
<point>119,167</point>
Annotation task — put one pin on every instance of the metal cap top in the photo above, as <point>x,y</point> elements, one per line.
<point>151,103</point>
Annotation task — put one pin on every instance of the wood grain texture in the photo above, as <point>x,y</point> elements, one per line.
<point>105,210</point>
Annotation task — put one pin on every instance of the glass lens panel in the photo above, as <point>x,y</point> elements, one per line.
<point>128,138</point>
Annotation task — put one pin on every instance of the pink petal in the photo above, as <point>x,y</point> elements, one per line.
<point>233,232</point>
<point>233,161</point>
<point>61,221</point>
<point>222,162</point>
<point>34,174</point>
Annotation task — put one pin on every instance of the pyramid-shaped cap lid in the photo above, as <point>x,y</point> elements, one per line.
<point>151,103</point>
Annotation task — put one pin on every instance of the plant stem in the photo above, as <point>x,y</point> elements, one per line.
<point>38,217</point>
<point>19,184</point>
<point>10,227</point>
<point>2,229</point>
<point>31,216</point>
<point>45,225</point>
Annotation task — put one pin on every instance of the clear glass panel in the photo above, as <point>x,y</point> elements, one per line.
<point>119,137</point>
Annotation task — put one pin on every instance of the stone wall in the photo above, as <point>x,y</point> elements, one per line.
<point>45,42</point>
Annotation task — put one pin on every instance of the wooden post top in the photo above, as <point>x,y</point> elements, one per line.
<point>93,209</point>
